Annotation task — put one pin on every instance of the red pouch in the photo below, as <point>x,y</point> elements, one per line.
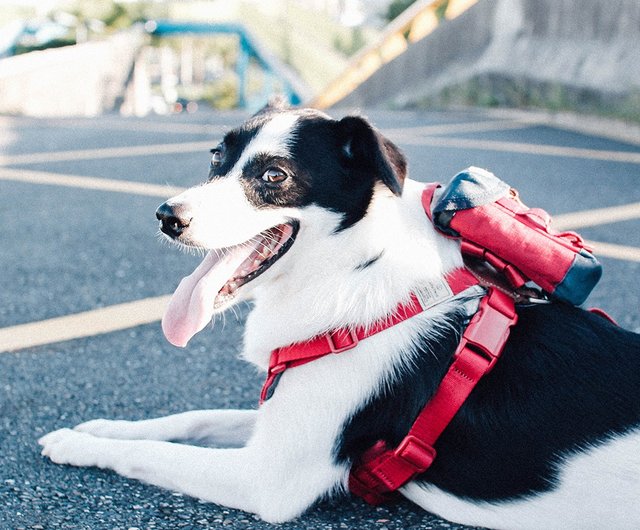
<point>494,225</point>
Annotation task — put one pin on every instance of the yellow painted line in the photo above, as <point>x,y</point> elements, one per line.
<point>611,250</point>
<point>88,324</point>
<point>106,152</point>
<point>448,128</point>
<point>599,216</point>
<point>530,149</point>
<point>88,183</point>
<point>455,9</point>
<point>127,315</point>
<point>149,310</point>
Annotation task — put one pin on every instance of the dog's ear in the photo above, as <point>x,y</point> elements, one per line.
<point>366,148</point>
<point>275,103</point>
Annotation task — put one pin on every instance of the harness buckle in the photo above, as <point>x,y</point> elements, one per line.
<point>277,369</point>
<point>273,376</point>
<point>416,453</point>
<point>340,337</point>
<point>488,331</point>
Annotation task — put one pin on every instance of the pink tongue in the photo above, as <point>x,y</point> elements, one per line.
<point>191,306</point>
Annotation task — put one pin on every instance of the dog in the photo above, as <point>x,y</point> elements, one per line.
<point>316,221</point>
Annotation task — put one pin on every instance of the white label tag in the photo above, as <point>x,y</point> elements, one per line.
<point>433,293</point>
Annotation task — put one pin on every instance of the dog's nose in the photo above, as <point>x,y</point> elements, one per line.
<point>173,220</point>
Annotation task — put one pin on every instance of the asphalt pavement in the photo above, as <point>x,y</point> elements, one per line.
<point>70,246</point>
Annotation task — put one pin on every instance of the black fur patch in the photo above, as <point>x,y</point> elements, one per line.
<point>333,164</point>
<point>234,143</point>
<point>389,416</point>
<point>568,379</point>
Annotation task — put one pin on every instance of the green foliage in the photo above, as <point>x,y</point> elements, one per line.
<point>117,15</point>
<point>303,38</point>
<point>56,43</point>
<point>440,10</point>
<point>396,8</point>
<point>493,90</point>
<point>223,94</point>
<point>349,45</point>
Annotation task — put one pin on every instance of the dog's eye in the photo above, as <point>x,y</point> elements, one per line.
<point>216,157</point>
<point>274,176</point>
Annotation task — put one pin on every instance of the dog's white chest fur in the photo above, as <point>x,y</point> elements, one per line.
<point>325,290</point>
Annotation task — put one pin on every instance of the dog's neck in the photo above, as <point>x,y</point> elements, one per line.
<point>353,277</point>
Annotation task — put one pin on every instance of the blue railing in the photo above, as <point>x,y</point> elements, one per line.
<point>249,48</point>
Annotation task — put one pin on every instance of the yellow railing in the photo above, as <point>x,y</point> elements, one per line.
<point>415,23</point>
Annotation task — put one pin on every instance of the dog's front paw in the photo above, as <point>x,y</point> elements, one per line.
<point>73,448</point>
<point>116,429</point>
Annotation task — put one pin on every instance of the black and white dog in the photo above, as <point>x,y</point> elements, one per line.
<point>314,220</point>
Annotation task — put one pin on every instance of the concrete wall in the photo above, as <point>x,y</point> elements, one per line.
<point>81,80</point>
<point>564,53</point>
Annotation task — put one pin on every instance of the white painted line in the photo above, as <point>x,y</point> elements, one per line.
<point>89,183</point>
<point>107,152</point>
<point>567,221</point>
<point>629,157</point>
<point>611,128</point>
<point>403,138</point>
<point>599,216</point>
<point>142,126</point>
<point>449,128</point>
<point>87,324</point>
<point>125,124</point>
<point>156,127</point>
<point>611,250</point>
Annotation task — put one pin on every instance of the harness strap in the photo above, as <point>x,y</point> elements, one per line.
<point>343,339</point>
<point>427,198</point>
<point>381,470</point>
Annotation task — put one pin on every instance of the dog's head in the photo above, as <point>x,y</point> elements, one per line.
<point>263,177</point>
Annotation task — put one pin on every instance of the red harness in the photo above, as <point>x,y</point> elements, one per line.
<point>341,340</point>
<point>382,470</point>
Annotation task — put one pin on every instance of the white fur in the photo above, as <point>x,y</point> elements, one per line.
<point>273,139</point>
<point>226,428</point>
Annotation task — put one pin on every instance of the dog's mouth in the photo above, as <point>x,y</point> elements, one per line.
<point>214,284</point>
<point>267,248</point>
